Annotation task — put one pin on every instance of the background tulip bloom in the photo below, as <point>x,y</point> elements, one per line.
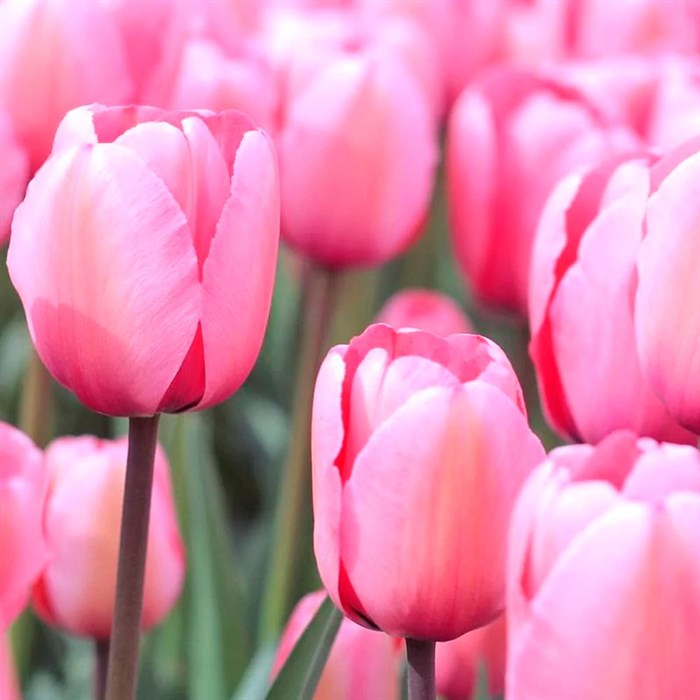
<point>425,310</point>
<point>357,155</point>
<point>14,174</point>
<point>9,689</point>
<point>23,482</point>
<point>362,663</point>
<point>616,248</point>
<point>76,589</point>
<point>512,135</point>
<point>419,446</point>
<point>56,55</point>
<point>144,254</point>
<point>458,663</point>
<point>604,574</point>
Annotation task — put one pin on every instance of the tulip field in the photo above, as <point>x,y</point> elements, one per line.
<point>350,349</point>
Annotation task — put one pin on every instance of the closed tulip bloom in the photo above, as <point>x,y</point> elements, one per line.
<point>362,663</point>
<point>14,174</point>
<point>23,483</point>
<point>604,574</point>
<point>458,663</point>
<point>144,255</point>
<point>616,250</point>
<point>419,446</point>
<point>426,310</point>
<point>357,156</point>
<point>76,590</point>
<point>56,55</point>
<point>9,688</point>
<point>512,135</point>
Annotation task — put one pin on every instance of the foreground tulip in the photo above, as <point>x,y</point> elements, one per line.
<point>77,587</point>
<point>512,135</point>
<point>362,663</point>
<point>56,55</point>
<point>425,310</point>
<point>14,174</point>
<point>614,269</point>
<point>604,574</point>
<point>9,689</point>
<point>144,254</point>
<point>419,446</point>
<point>23,482</point>
<point>458,663</point>
<point>357,156</point>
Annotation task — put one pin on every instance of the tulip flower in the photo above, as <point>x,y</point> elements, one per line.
<point>9,688</point>
<point>512,135</point>
<point>14,174</point>
<point>612,274</point>
<point>144,255</point>
<point>76,589</point>
<point>357,155</point>
<point>23,483</point>
<point>56,55</point>
<point>604,574</point>
<point>419,446</point>
<point>458,663</point>
<point>362,663</point>
<point>425,310</point>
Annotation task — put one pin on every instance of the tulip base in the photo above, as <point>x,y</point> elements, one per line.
<point>126,627</point>
<point>420,655</point>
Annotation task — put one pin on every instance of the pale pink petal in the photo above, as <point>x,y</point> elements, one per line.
<point>14,174</point>
<point>639,608</point>
<point>436,583</point>
<point>593,333</point>
<point>237,294</point>
<point>127,307</point>
<point>667,311</point>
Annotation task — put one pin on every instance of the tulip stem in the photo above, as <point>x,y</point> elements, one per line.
<point>35,412</point>
<point>122,668</point>
<point>421,669</point>
<point>294,500</point>
<point>101,659</point>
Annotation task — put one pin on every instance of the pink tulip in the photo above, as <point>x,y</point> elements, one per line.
<point>362,663</point>
<point>425,310</point>
<point>56,55</point>
<point>76,590</point>
<point>458,663</point>
<point>23,482</point>
<point>357,156</point>
<point>419,447</point>
<point>512,135</point>
<point>612,273</point>
<point>604,574</point>
<point>14,174</point>
<point>144,255</point>
<point>9,688</point>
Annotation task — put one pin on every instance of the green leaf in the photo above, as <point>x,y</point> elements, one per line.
<point>300,674</point>
<point>257,676</point>
<point>215,635</point>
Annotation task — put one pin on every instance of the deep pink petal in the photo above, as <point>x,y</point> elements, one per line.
<point>104,264</point>
<point>240,269</point>
<point>667,311</point>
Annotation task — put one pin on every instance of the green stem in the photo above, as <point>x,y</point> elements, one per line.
<point>294,491</point>
<point>35,411</point>
<point>421,669</point>
<point>126,627</point>
<point>101,659</point>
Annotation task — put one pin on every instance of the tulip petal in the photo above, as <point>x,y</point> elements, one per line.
<point>114,319</point>
<point>637,568</point>
<point>438,474</point>
<point>240,269</point>
<point>667,312</point>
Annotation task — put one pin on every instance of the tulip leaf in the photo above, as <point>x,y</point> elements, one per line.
<point>301,672</point>
<point>257,676</point>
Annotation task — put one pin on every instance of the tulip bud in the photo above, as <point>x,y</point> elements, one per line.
<point>76,590</point>
<point>23,482</point>
<point>613,267</point>
<point>419,446</point>
<point>604,574</point>
<point>425,310</point>
<point>144,254</point>
<point>362,663</point>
